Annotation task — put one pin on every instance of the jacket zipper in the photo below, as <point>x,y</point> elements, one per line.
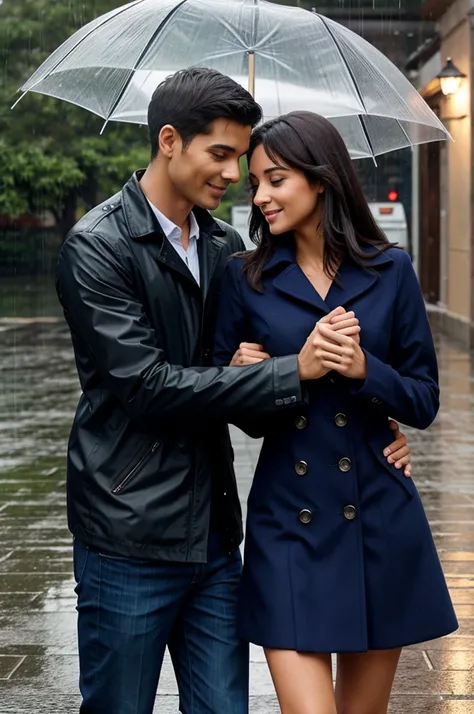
<point>136,468</point>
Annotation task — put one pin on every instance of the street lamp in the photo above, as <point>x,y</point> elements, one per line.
<point>450,78</point>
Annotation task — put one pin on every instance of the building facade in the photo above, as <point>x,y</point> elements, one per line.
<point>443,172</point>
<point>396,29</point>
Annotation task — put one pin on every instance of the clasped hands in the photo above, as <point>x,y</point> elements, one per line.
<point>334,344</point>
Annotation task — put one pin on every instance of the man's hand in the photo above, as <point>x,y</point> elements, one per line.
<point>248,353</point>
<point>340,321</point>
<point>398,452</point>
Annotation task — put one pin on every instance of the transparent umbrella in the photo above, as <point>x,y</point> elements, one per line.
<point>289,58</point>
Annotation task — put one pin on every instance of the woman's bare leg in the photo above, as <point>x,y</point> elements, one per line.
<point>364,681</point>
<point>303,681</point>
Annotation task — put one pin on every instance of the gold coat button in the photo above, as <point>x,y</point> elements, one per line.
<point>305,516</point>
<point>349,512</point>
<point>301,468</point>
<point>301,422</point>
<point>345,464</point>
<point>340,419</point>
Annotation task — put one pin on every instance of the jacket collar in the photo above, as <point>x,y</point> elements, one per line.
<point>352,280</point>
<point>143,226</point>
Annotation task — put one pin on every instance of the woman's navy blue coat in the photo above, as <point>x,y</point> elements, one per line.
<point>339,555</point>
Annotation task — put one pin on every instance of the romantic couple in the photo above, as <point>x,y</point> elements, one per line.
<point>313,341</point>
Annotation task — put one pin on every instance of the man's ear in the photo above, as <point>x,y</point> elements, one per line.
<point>167,140</point>
<point>321,188</point>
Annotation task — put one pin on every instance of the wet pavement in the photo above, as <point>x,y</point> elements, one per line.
<point>38,659</point>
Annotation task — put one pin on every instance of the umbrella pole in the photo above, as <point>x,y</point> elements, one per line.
<point>251,55</point>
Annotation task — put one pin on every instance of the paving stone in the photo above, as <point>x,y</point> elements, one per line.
<point>38,651</point>
<point>449,682</point>
<point>453,659</point>
<point>9,664</point>
<point>429,705</point>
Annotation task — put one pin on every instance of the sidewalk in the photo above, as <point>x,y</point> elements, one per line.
<point>38,661</point>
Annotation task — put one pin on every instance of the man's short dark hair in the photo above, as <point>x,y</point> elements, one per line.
<point>191,99</point>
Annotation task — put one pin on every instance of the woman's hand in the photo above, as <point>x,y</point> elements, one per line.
<point>347,324</point>
<point>309,363</point>
<point>339,352</point>
<point>248,353</point>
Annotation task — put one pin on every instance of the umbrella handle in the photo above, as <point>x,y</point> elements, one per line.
<point>251,55</point>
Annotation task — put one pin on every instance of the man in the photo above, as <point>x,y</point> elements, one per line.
<point>152,497</point>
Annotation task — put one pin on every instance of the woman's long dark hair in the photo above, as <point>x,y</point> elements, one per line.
<point>310,143</point>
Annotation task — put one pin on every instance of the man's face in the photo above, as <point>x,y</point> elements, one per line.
<point>204,169</point>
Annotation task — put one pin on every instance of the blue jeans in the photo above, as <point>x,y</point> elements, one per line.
<point>130,610</point>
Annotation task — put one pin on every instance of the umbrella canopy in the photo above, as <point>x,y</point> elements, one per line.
<point>289,57</point>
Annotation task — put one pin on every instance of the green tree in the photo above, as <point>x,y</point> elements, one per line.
<point>51,154</point>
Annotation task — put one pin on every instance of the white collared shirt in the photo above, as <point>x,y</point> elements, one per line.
<point>173,233</point>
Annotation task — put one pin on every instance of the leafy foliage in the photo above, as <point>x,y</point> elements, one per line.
<point>52,156</point>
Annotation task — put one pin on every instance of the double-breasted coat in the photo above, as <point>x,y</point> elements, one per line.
<point>339,556</point>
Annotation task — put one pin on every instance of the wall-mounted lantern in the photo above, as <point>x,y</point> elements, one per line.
<point>450,78</point>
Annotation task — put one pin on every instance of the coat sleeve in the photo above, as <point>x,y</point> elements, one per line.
<point>96,289</point>
<point>232,328</point>
<point>406,388</point>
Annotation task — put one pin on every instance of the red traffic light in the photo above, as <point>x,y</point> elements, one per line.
<point>392,195</point>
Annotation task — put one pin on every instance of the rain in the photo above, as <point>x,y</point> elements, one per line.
<point>58,160</point>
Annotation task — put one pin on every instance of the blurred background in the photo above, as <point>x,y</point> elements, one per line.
<point>54,166</point>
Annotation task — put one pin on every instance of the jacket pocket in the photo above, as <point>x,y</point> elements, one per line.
<point>378,444</point>
<point>126,478</point>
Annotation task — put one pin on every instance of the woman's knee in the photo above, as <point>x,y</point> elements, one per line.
<point>303,681</point>
<point>364,681</point>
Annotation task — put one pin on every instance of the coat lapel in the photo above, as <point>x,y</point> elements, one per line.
<point>293,283</point>
<point>209,250</point>
<point>169,257</point>
<point>144,227</point>
<point>352,281</point>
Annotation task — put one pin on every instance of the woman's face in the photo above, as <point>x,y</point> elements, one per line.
<point>283,194</point>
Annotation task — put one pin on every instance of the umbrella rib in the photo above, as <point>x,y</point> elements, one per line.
<point>255,23</point>
<point>139,59</point>
<point>367,137</point>
<point>228,26</point>
<point>126,7</point>
<point>403,130</point>
<point>354,82</point>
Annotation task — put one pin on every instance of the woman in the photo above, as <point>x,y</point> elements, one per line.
<point>339,556</point>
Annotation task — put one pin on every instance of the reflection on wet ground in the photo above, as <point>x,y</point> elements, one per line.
<point>38,662</point>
